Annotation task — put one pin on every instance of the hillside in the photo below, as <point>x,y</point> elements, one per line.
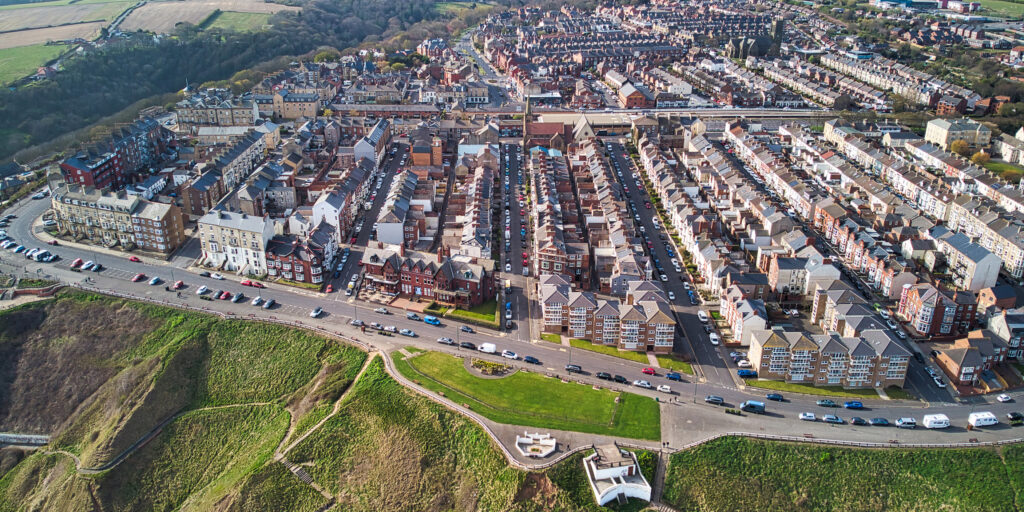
<point>235,391</point>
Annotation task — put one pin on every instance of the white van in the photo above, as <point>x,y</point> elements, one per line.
<point>982,419</point>
<point>487,348</point>
<point>702,316</point>
<point>935,421</point>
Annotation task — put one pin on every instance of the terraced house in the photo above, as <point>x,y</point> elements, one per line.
<point>644,322</point>
<point>457,280</point>
<point>873,359</point>
<point>112,219</point>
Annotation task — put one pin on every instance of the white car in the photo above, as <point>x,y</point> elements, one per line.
<point>316,312</point>
<point>383,311</point>
<point>808,416</point>
<point>642,384</point>
<point>203,289</point>
<point>671,295</point>
<point>743,363</point>
<point>87,265</point>
<point>407,332</point>
<point>508,354</point>
<point>1004,398</point>
<point>664,388</point>
<point>714,339</point>
<point>508,267</point>
<point>217,276</point>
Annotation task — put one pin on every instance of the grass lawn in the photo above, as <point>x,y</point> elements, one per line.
<point>716,315</point>
<point>533,400</point>
<point>639,357</point>
<point>238,21</point>
<point>744,474</point>
<point>807,389</point>
<point>675,364</point>
<point>22,61</point>
<point>1010,8</point>
<point>899,393</point>
<point>1009,171</point>
<point>552,338</point>
<point>483,312</point>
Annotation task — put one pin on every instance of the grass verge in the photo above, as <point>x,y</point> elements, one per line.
<point>639,357</point>
<point>531,399</point>
<point>807,389</point>
<point>675,364</point>
<point>551,338</point>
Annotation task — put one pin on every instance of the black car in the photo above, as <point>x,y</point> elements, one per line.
<point>1015,418</point>
<point>204,274</point>
<point>604,375</point>
<point>620,379</point>
<point>919,357</point>
<point>573,368</point>
<point>714,400</point>
<point>857,420</point>
<point>466,328</point>
<point>879,422</point>
<point>774,396</point>
<point>531,360</point>
<point>466,344</point>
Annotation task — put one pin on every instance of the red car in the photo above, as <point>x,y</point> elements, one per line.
<point>650,245</point>
<point>526,255</point>
<point>522,211</point>
<point>138,277</point>
<point>178,285</point>
<point>257,284</point>
<point>647,205</point>
<point>77,263</point>
<point>246,283</point>
<point>648,371</point>
<point>134,258</point>
<point>53,242</point>
<point>225,296</point>
<point>352,240</point>
<point>330,288</point>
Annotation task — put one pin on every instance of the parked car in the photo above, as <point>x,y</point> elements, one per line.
<point>269,304</point>
<point>826,403</point>
<point>808,416</point>
<point>134,259</point>
<point>832,418</point>
<point>239,297</point>
<point>138,277</point>
<point>674,376</point>
<point>604,376</point>
<point>853,404</point>
<point>1004,398</point>
<point>508,354</point>
<point>1015,418</point>
<point>573,368</point>
<point>466,328</point>
<point>714,338</point>
<point>203,289</point>
<point>466,344</point>
<point>531,360</point>
<point>879,422</point>
<point>648,371</point>
<point>775,397</point>
<point>446,340</point>
<point>857,420</point>
<point>357,322</point>
<point>642,384</point>
<point>408,332</point>
<point>664,388</point>
<point>714,400</point>
<point>619,379</point>
<point>383,311</point>
<point>317,311</point>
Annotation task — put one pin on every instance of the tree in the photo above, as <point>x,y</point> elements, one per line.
<point>398,66</point>
<point>959,147</point>
<point>980,158</point>
<point>326,56</point>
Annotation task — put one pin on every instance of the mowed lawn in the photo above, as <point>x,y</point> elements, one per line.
<point>534,400</point>
<point>22,61</point>
<point>1010,8</point>
<point>807,389</point>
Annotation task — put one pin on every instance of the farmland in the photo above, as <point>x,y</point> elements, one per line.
<point>23,60</point>
<point>161,17</point>
<point>42,35</point>
<point>240,21</point>
<point>53,14</point>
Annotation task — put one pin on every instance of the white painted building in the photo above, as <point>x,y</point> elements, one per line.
<point>614,473</point>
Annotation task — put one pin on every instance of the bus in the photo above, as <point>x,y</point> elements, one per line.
<point>508,286</point>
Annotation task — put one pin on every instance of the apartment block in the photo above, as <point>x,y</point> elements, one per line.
<point>117,219</point>
<point>875,359</point>
<point>932,312</point>
<point>235,242</point>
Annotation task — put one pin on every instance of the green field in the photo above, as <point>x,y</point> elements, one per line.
<point>1012,9</point>
<point>807,389</point>
<point>238,21</point>
<point>744,474</point>
<point>639,357</point>
<point>454,8</point>
<point>534,400</point>
<point>675,364</point>
<point>54,3</point>
<point>22,61</point>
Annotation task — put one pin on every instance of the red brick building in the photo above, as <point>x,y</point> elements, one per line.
<point>458,280</point>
